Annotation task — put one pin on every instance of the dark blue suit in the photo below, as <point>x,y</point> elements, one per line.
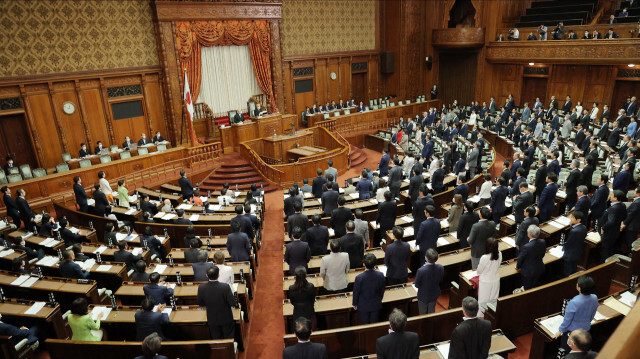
<point>583,205</point>
<point>17,334</point>
<point>69,269</point>
<point>160,294</point>
<point>427,236</point>
<point>384,165</point>
<point>621,181</point>
<point>610,224</point>
<point>148,322</point>
<point>427,151</point>
<point>497,203</point>
<point>554,167</point>
<point>395,258</point>
<point>551,136</point>
<point>185,187</point>
<point>573,248</point>
<point>530,262</point>
<point>514,169</point>
<point>599,202</point>
<point>546,202</point>
<point>368,291</point>
<point>239,246</point>
<point>81,197</point>
<point>463,190</point>
<point>297,253</point>
<point>427,281</point>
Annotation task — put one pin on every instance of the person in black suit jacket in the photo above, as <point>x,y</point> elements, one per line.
<point>329,200</point>
<point>185,185</point>
<point>258,110</point>
<point>297,220</point>
<point>318,183</point>
<point>579,342</point>
<point>99,148</point>
<point>9,165</point>
<point>462,189</point>
<point>573,245</point>
<point>368,290</point>
<point>422,202</point>
<point>428,278</point>
<point>398,344</point>
<point>395,258</point>
<point>18,334</point>
<point>148,321</point>
<point>10,204</point>
<point>84,152</point>
<point>466,222</point>
<point>124,254</point>
<point>47,226</point>
<point>317,236</point>
<point>521,201</point>
<point>143,140</point>
<point>479,234</point>
<point>191,254</point>
<point>610,223</point>
<point>541,176</point>
<point>157,289</point>
<point>69,237</point>
<point>631,224</point>
<point>146,206</point>
<point>304,349</point>
<point>238,244</point>
<point>101,206</point>
<point>70,269</point>
<point>521,237</point>
<point>599,200</point>
<point>246,225</point>
<point>140,274</point>
<point>289,203</point>
<point>573,181</point>
<point>386,215</point>
<point>201,266</point>
<point>151,345</point>
<point>157,138</point>
<point>218,298</point>
<point>414,185</point>
<point>530,258</point>
<point>472,337</point>
<point>26,214</point>
<point>19,243</point>
<point>81,195</point>
<point>181,219</point>
<point>297,253</point>
<point>302,295</point>
<point>353,244</point>
<point>428,233</point>
<point>127,143</point>
<point>238,117</point>
<point>437,179</point>
<point>339,218</point>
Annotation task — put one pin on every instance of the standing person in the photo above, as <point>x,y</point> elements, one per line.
<point>395,178</point>
<point>530,258</point>
<point>468,218</point>
<point>489,281</point>
<point>485,191</point>
<point>383,166</point>
<point>368,290</point>
<point>427,236</point>
<point>10,204</point>
<point>123,194</point>
<point>302,295</point>
<point>573,246</point>
<point>472,337</point>
<point>546,203</point>
<point>304,348</point>
<point>26,214</point>
<point>105,186</point>
<point>364,186</point>
<point>455,213</point>
<point>631,224</point>
<point>521,232</point>
<point>81,195</point>
<point>398,344</point>
<point>218,300</point>
<point>297,253</point>
<point>149,321</point>
<point>186,188</point>
<point>386,215</point>
<point>317,236</point>
<point>480,232</point>
<point>610,224</point>
<point>331,171</point>
<point>82,326</point>
<point>395,258</point>
<point>353,244</point>
<point>498,198</point>
<point>580,311</point>
<point>428,278</point>
<point>334,268</point>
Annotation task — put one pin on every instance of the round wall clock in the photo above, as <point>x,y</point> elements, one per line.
<point>69,107</point>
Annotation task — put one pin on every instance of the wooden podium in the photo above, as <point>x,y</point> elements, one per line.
<point>277,147</point>
<point>255,127</point>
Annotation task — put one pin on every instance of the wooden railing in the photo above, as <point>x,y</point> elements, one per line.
<point>268,172</point>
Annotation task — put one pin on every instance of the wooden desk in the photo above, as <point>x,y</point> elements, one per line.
<point>316,261</point>
<point>278,147</point>
<point>110,278</point>
<point>107,254</point>
<point>256,127</point>
<point>156,195</point>
<point>49,314</point>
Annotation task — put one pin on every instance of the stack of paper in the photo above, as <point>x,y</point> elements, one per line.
<point>194,217</point>
<point>104,310</point>
<point>48,261</point>
<point>91,202</point>
<point>166,310</point>
<point>133,198</point>
<point>444,223</point>
<point>454,234</point>
<point>29,282</point>
<point>383,269</point>
<point>185,206</point>
<point>49,242</point>
<point>593,237</point>
<point>160,268</point>
<point>331,232</point>
<point>628,299</point>
<point>354,195</point>
<point>120,236</point>
<point>136,251</point>
<point>556,224</point>
<point>407,219</point>
<point>74,230</point>
<point>373,200</point>
<point>88,264</point>
<point>469,274</point>
<point>443,349</point>
<point>511,217</point>
<point>169,216</point>
<point>564,220</point>
<point>408,231</point>
<point>130,211</point>
<point>104,268</point>
<point>21,279</point>
<point>6,252</point>
<point>556,251</point>
<point>100,249</point>
<point>214,207</point>
<point>442,241</point>
<point>552,324</point>
<point>307,194</point>
<point>412,245</point>
<point>509,241</point>
<point>598,317</point>
<point>35,308</point>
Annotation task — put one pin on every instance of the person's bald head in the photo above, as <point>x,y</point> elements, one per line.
<point>580,340</point>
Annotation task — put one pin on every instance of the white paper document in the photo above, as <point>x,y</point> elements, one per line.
<point>160,268</point>
<point>194,217</point>
<point>88,264</point>
<point>412,245</point>
<point>74,230</point>
<point>130,211</point>
<point>628,298</point>
<point>214,207</point>
<point>509,241</point>
<point>354,195</point>
<point>469,274</point>
<point>100,249</point>
<point>169,216</point>
<point>21,279</point>
<point>35,308</point>
<point>443,349</point>
<point>511,217</point>
<point>331,232</point>
<point>442,241</point>
<point>136,251</point>
<point>408,231</point>
<point>29,282</point>
<point>556,224</point>
<point>552,324</point>
<point>556,251</point>
<point>564,220</point>
<point>6,252</point>
<point>373,200</point>
<point>48,261</point>
<point>91,202</point>
<point>593,237</point>
<point>100,309</point>
<point>407,219</point>
<point>616,305</point>
<point>383,269</point>
<point>104,268</point>
<point>185,206</point>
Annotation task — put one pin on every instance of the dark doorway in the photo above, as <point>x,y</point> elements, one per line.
<point>462,14</point>
<point>15,140</point>
<point>533,87</point>
<point>621,91</point>
<point>359,87</point>
<point>458,77</point>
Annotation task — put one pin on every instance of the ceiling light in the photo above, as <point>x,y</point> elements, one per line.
<point>531,64</point>
<point>631,65</point>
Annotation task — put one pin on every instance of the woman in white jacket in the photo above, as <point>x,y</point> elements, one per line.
<point>489,284</point>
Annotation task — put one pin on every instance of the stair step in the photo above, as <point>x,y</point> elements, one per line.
<point>239,175</point>
<point>234,169</point>
<point>223,180</point>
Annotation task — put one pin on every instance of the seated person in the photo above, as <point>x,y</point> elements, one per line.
<point>153,243</point>
<point>157,289</point>
<point>140,274</point>
<point>98,149</point>
<point>332,107</point>
<point>19,243</point>
<point>127,143</point>
<point>191,254</point>
<point>83,151</point>
<point>82,326</point>
<point>158,138</point>
<point>67,236</point>
<point>9,165</point>
<point>110,238</point>
<point>226,196</point>
<point>226,272</point>
<point>148,321</point>
<point>195,199</point>
<point>341,105</point>
<point>77,252</point>
<point>143,140</point>
<point>207,209</point>
<point>18,334</point>
<point>18,265</point>
<point>238,117</point>
<point>146,205</point>
<point>201,266</point>
<point>189,235</point>
<point>181,219</point>
<point>48,226</point>
<point>147,217</point>
<point>151,346</point>
<point>125,255</point>
<point>71,269</point>
<point>166,206</point>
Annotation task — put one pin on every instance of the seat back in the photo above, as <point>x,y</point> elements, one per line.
<point>66,157</point>
<point>3,178</point>
<point>161,147</point>
<point>408,102</point>
<point>12,351</point>
<point>105,159</point>
<point>347,112</point>
<point>14,177</point>
<point>14,170</point>
<point>125,154</point>
<point>143,151</point>
<point>63,167</point>
<point>392,104</point>
<point>85,163</point>
<point>113,148</point>
<point>336,114</point>
<point>25,170</point>
<point>325,116</point>
<point>231,114</point>
<point>400,103</point>
<point>39,172</point>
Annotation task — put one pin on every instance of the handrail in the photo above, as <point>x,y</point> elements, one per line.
<point>270,173</point>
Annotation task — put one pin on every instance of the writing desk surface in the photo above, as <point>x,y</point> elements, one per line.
<point>183,315</point>
<point>316,261</point>
<point>187,270</point>
<point>188,289</point>
<point>49,284</point>
<point>15,307</point>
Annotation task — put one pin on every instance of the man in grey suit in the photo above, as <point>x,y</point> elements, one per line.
<point>334,268</point>
<point>362,226</point>
<point>395,178</point>
<point>493,105</point>
<point>478,236</point>
<point>521,202</point>
<point>521,231</point>
<point>526,113</point>
<point>473,160</point>
<point>331,171</point>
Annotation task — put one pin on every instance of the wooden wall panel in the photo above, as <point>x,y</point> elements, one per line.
<point>71,124</point>
<point>155,106</point>
<point>95,118</point>
<point>49,144</point>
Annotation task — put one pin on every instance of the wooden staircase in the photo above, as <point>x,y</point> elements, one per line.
<point>356,156</point>
<point>235,171</point>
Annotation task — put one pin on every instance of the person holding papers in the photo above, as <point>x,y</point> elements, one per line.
<point>82,326</point>
<point>157,289</point>
<point>580,311</point>
<point>149,321</point>
<point>71,269</point>
<point>125,255</point>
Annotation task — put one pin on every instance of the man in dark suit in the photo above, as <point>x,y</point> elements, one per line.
<point>479,234</point>
<point>238,244</point>
<point>304,349</point>
<point>361,107</point>
<point>99,148</point>
<point>521,201</point>
<point>631,224</point>
<point>573,180</point>
<point>19,243</point>
<point>353,244</point>
<point>339,218</point>
<point>70,269</point>
<point>630,109</point>
<point>437,179</point>
<point>614,137</point>
<point>368,290</point>
<point>218,298</point>
<point>102,205</point>
<point>127,143</point>
<point>610,223</point>
<point>395,258</point>
<point>297,220</point>
<point>583,204</point>
<point>428,278</point>
<point>383,166</point>
<point>579,139</point>
<point>238,117</point>
<point>599,200</point>
<point>10,204</point>
<point>148,321</point>
<point>84,151</point>
<point>428,233</point>
<point>124,254</point>
<point>297,252</point>
<point>69,237</point>
<point>546,203</point>
<point>246,225</point>
<point>143,140</point>
<point>18,334</point>
<point>191,254</point>
<point>579,343</point>
<point>329,200</point>
<point>181,219</point>
<point>462,189</point>
<point>185,185</point>
<point>414,185</point>
<point>81,195</point>
<point>622,179</point>
<point>521,237</point>
<point>530,258</point>
<point>26,214</point>
<point>398,344</point>
<point>498,198</point>
<point>9,165</point>
<point>289,203</point>
<point>157,289</point>
<point>472,337</point>
<point>604,130</point>
<point>395,178</point>
<point>317,236</point>
<point>573,245</point>
<point>201,266</point>
<point>418,210</point>
<point>146,206</point>
<point>140,274</point>
<point>386,214</point>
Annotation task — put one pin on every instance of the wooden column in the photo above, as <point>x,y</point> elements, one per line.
<point>276,65</point>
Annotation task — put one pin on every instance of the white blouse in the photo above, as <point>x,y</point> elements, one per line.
<point>485,190</point>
